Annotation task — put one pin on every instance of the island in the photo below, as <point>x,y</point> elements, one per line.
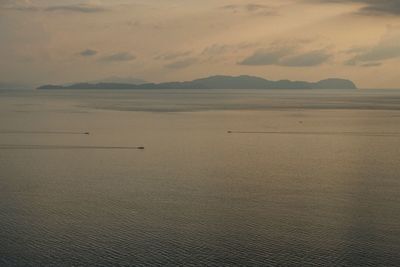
<point>217,82</point>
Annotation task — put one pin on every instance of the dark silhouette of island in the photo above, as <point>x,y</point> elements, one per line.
<point>218,82</point>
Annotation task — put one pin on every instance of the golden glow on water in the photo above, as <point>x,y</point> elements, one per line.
<point>197,194</point>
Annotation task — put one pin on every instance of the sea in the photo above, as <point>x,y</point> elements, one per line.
<point>200,177</point>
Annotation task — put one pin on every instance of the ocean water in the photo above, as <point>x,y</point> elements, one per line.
<point>227,178</point>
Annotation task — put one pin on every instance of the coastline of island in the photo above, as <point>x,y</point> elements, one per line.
<point>216,82</point>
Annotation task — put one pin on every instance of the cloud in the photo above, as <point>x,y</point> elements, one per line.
<point>76,8</point>
<point>255,9</point>
<point>172,56</point>
<point>377,53</point>
<point>117,57</point>
<point>180,64</point>
<point>371,7</point>
<point>308,59</point>
<point>88,53</point>
<point>18,5</point>
<point>28,6</point>
<point>388,48</point>
<point>372,64</point>
<point>220,52</point>
<point>216,50</point>
<point>288,57</point>
<point>264,57</point>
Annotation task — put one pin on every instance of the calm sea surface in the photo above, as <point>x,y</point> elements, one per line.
<point>304,178</point>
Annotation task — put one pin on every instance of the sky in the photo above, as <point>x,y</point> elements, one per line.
<point>64,41</point>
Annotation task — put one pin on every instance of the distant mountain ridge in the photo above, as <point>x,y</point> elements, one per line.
<point>120,79</point>
<point>218,82</point>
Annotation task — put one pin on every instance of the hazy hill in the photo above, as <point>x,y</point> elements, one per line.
<point>120,79</point>
<point>218,82</point>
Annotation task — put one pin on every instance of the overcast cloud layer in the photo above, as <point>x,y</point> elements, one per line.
<point>61,41</point>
